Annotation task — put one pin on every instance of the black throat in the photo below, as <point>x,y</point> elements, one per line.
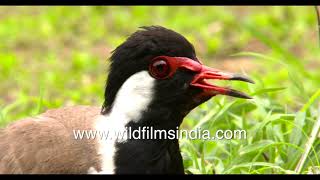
<point>150,156</point>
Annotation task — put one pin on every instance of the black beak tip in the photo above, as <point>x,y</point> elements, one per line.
<point>248,97</point>
<point>249,81</point>
<point>238,94</point>
<point>240,77</point>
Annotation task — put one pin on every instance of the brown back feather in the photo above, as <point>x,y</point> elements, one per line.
<point>45,143</point>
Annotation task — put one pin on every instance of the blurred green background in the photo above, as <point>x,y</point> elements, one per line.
<point>58,56</point>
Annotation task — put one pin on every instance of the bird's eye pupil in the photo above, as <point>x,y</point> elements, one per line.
<point>159,69</point>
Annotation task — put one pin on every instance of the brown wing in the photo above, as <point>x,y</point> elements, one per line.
<point>46,144</point>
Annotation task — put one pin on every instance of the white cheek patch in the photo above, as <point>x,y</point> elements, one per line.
<point>132,99</point>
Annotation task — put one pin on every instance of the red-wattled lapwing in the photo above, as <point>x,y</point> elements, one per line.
<point>155,80</point>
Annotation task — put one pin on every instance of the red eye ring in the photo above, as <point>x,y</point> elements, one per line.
<point>160,68</point>
<point>163,67</point>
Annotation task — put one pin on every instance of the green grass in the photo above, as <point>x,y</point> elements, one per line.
<point>57,56</point>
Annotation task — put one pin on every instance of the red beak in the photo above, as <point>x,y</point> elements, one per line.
<point>204,73</point>
<point>209,73</point>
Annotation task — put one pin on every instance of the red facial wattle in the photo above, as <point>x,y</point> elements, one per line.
<point>163,67</point>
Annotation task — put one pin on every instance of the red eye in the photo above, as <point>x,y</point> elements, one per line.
<point>159,69</point>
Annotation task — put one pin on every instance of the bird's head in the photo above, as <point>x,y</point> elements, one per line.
<point>159,67</point>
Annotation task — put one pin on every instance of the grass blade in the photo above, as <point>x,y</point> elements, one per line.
<point>256,146</point>
<point>309,144</point>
